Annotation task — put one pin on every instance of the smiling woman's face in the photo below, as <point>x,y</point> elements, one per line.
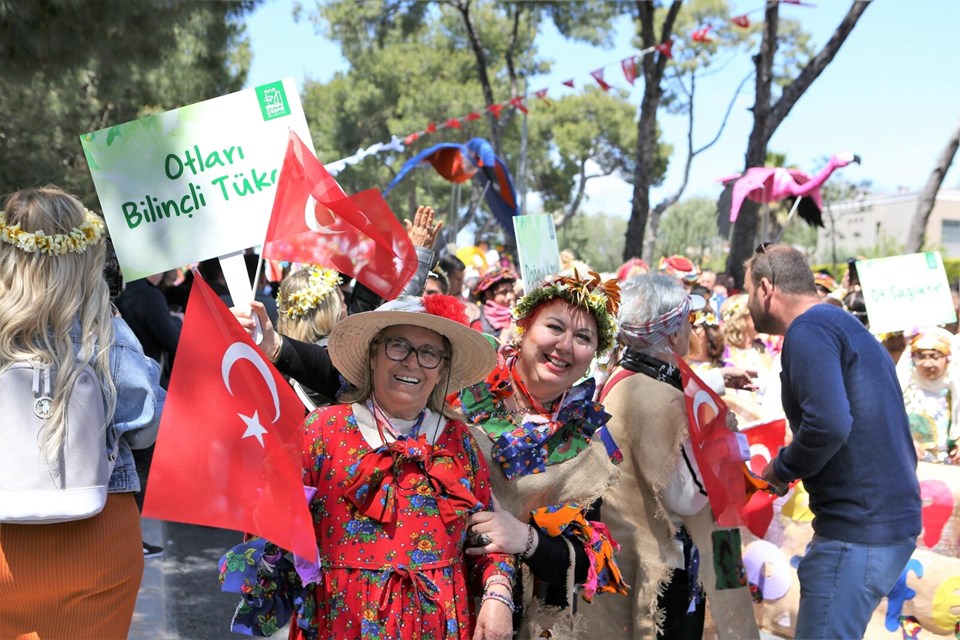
<point>402,388</point>
<point>556,349</point>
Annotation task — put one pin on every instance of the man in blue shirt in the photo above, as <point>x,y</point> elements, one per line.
<point>851,447</point>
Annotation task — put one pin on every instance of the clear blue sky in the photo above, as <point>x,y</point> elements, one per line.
<point>892,94</point>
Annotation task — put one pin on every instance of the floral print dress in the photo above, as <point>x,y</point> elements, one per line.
<point>390,523</point>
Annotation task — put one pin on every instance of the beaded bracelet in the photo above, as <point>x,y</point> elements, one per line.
<point>492,595</point>
<point>530,534</point>
<point>498,579</point>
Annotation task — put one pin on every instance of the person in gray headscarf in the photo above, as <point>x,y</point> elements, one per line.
<point>659,511</point>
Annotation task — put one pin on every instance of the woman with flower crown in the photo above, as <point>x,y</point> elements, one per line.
<point>309,305</point>
<point>550,454</point>
<point>80,578</point>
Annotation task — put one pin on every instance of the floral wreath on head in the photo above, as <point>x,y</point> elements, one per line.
<point>736,308</point>
<point>322,283</point>
<point>601,299</point>
<point>74,241</point>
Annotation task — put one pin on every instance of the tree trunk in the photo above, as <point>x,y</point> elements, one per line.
<point>653,66</point>
<point>463,6</point>
<point>767,117</point>
<point>928,197</point>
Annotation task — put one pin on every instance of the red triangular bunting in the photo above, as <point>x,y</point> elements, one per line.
<point>568,83</point>
<point>452,123</point>
<point>665,49</point>
<point>702,35</point>
<point>495,109</point>
<point>517,103</point>
<point>741,21</point>
<point>410,139</point>
<point>431,128</point>
<point>629,66</point>
<point>473,115</point>
<point>598,76</point>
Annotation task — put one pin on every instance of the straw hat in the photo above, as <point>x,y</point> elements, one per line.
<point>473,355</point>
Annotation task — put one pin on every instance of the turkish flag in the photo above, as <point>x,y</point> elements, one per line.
<point>229,450</point>
<point>717,449</point>
<point>765,440</point>
<point>315,222</point>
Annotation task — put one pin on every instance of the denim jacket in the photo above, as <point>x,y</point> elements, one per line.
<point>139,403</point>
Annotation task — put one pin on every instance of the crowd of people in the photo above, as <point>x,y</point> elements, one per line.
<point>485,459</point>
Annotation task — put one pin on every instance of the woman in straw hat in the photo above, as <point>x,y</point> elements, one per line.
<point>74,579</point>
<point>551,456</point>
<point>659,511</point>
<point>392,477</point>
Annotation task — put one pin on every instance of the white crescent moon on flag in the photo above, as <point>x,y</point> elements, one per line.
<point>760,450</point>
<point>310,217</point>
<point>700,398</point>
<point>241,351</point>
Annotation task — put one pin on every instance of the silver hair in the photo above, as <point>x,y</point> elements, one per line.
<point>647,297</point>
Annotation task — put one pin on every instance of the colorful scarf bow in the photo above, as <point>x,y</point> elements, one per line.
<point>373,487</point>
<point>529,447</point>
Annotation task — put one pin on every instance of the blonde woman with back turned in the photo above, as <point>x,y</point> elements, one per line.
<point>76,579</point>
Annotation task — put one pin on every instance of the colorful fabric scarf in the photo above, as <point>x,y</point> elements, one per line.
<point>648,334</point>
<point>497,315</point>
<point>373,487</point>
<point>526,442</point>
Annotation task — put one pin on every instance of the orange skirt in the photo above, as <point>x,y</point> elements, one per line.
<point>74,579</point>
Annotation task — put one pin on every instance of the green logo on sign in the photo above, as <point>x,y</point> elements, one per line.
<point>931,260</point>
<point>273,101</point>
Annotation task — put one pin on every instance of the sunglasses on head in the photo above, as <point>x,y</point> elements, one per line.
<point>762,250</point>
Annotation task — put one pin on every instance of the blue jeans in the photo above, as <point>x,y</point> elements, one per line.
<point>841,583</point>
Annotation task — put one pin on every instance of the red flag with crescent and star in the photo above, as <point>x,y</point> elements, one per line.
<point>315,222</point>
<point>720,452</point>
<point>228,453</point>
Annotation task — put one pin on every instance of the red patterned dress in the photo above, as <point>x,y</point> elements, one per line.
<point>390,523</point>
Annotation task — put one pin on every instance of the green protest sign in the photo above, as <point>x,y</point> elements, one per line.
<point>196,182</point>
<point>536,248</point>
<point>906,292</point>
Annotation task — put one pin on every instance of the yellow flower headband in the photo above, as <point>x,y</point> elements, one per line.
<point>736,308</point>
<point>75,241</point>
<point>322,283</point>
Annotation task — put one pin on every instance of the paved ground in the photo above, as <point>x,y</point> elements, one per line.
<point>180,596</point>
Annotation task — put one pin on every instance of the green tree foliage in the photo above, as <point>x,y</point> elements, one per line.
<point>72,66</point>
<point>688,228</point>
<point>416,63</point>
<point>595,239</point>
<point>592,126</point>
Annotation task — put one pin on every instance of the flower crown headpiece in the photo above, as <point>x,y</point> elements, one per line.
<point>706,318</point>
<point>736,308</point>
<point>74,241</point>
<point>322,283</point>
<point>601,299</point>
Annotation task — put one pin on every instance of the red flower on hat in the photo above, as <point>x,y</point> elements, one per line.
<point>449,307</point>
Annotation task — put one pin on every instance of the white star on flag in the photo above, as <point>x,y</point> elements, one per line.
<point>254,428</point>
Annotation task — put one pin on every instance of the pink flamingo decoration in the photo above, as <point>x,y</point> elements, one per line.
<point>772,184</point>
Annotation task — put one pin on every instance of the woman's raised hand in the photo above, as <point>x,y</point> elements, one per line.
<point>245,317</point>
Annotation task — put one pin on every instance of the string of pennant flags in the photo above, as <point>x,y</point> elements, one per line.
<point>629,66</point>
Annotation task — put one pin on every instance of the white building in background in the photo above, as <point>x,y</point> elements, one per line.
<point>879,225</point>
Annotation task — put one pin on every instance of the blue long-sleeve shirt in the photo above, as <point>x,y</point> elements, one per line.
<point>851,439</point>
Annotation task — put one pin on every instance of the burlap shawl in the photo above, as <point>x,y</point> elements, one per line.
<point>649,423</point>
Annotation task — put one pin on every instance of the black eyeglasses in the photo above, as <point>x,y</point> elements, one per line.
<point>398,350</point>
<point>762,250</point>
